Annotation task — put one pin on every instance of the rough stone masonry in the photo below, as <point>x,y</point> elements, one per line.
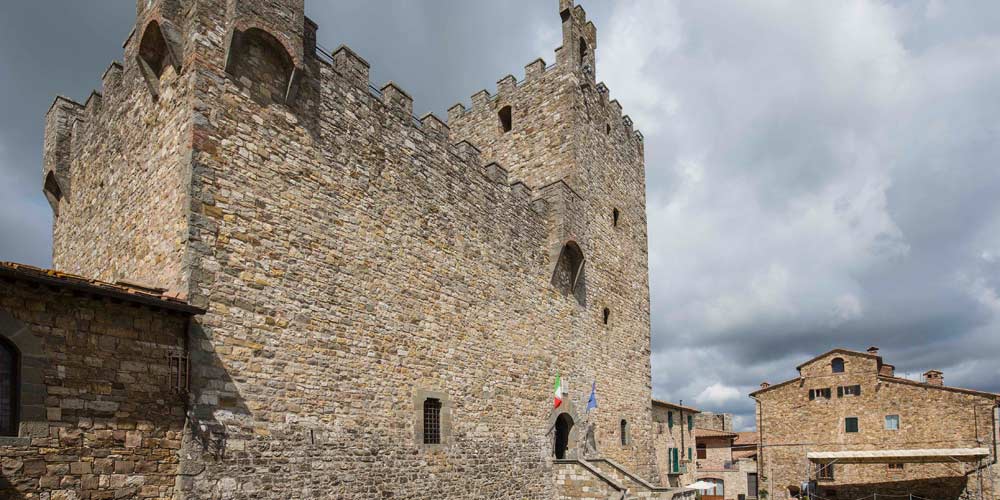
<point>357,263</point>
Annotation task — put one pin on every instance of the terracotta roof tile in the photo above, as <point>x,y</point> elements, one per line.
<point>131,292</point>
<point>698,432</point>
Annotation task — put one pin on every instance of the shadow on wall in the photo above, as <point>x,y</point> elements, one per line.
<point>7,490</point>
<point>937,488</point>
<point>206,439</point>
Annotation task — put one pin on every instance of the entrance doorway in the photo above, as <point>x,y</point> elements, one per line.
<point>716,493</point>
<point>563,425</point>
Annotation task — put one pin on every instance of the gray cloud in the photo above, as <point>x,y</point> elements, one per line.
<point>819,173</point>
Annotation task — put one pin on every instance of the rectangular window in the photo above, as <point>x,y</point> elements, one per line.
<point>895,467</point>
<point>851,424</point>
<point>690,423</point>
<point>824,393</point>
<point>432,421</point>
<point>812,394</point>
<point>850,390</point>
<point>752,484</point>
<point>824,471</point>
<point>690,454</point>
<point>675,463</point>
<point>892,422</point>
<point>702,451</point>
<point>670,419</point>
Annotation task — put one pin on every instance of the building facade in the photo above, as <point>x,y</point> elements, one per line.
<point>674,427</point>
<point>848,427</point>
<point>93,387</point>
<point>387,299</point>
<point>725,458</point>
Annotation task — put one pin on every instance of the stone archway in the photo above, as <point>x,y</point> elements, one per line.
<point>563,428</point>
<point>31,417</point>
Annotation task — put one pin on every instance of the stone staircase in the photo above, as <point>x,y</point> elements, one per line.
<point>604,479</point>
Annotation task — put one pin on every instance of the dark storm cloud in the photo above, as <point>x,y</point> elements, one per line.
<point>819,174</point>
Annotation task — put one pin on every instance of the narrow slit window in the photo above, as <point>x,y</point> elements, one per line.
<point>8,390</point>
<point>607,128</point>
<point>607,315</point>
<point>432,421</point>
<point>624,432</point>
<point>615,215</point>
<point>583,51</point>
<point>505,118</point>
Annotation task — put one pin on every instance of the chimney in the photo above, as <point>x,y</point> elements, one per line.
<point>934,377</point>
<point>887,370</point>
<point>873,351</point>
<point>764,385</point>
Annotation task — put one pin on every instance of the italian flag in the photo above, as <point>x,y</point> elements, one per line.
<point>558,392</point>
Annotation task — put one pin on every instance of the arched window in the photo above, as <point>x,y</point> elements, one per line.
<point>837,365</point>
<point>583,51</point>
<point>260,62</point>
<point>505,118</point>
<point>153,49</point>
<point>8,389</point>
<point>607,315</point>
<point>624,432</point>
<point>432,421</point>
<point>569,277</point>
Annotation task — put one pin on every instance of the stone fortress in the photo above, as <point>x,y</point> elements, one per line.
<point>386,299</point>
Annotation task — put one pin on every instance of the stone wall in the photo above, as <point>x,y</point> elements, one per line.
<point>930,417</point>
<point>112,420</point>
<point>123,159</point>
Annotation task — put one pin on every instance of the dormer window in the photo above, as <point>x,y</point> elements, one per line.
<point>837,365</point>
<point>505,119</point>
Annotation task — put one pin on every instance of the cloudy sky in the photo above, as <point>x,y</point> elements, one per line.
<point>820,173</point>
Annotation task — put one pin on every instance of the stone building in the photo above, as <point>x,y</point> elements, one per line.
<point>93,396</point>
<point>848,427</point>
<point>387,299</point>
<point>674,442</point>
<point>724,458</point>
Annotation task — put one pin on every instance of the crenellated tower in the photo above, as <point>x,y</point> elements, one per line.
<point>362,268</point>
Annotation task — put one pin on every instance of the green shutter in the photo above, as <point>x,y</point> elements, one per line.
<point>675,458</point>
<point>690,422</point>
<point>690,455</point>
<point>670,419</point>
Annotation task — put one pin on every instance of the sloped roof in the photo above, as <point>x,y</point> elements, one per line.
<point>123,291</point>
<point>746,438</point>
<point>676,406</point>
<point>712,433</point>
<point>942,387</point>
<point>841,351</point>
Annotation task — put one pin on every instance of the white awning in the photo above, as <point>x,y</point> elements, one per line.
<point>701,485</point>
<point>936,455</point>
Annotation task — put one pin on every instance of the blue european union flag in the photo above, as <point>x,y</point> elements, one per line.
<point>592,402</point>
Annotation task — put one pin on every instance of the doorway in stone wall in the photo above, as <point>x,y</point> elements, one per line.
<point>564,423</point>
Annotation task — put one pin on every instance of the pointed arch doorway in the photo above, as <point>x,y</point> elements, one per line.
<point>564,424</point>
